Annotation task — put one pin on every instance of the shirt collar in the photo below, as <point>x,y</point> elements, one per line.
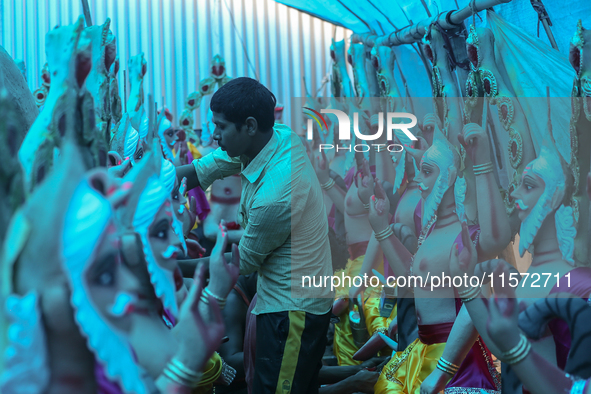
<point>253,170</point>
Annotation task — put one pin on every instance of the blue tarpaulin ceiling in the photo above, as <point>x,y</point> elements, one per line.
<point>385,16</point>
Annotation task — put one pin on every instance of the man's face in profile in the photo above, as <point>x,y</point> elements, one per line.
<point>230,138</point>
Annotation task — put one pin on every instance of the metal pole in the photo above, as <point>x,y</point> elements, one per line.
<point>86,11</point>
<point>124,91</point>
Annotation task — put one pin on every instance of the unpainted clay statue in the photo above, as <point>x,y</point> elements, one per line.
<point>16,87</point>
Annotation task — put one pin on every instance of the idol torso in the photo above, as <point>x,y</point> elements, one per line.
<point>437,305</point>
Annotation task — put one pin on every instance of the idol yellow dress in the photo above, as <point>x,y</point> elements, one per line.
<point>344,347</point>
<point>373,320</point>
<point>407,369</point>
<point>212,371</point>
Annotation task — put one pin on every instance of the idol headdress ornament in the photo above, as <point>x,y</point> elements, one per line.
<point>68,56</point>
<point>125,139</point>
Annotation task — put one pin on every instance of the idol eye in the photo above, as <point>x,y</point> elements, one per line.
<point>139,154</point>
<point>106,276</point>
<point>161,232</point>
<point>106,279</point>
<point>175,196</point>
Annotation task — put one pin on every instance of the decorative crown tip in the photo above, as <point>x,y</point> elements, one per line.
<point>578,39</point>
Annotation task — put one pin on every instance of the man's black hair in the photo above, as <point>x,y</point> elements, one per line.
<point>242,98</point>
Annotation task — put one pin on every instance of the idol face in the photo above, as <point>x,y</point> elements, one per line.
<point>164,243</point>
<point>527,194</point>
<point>234,141</point>
<point>427,177</point>
<point>171,137</point>
<point>112,287</point>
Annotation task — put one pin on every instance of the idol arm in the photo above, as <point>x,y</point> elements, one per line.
<point>337,196</point>
<point>495,232</point>
<point>235,235</point>
<point>479,315</point>
<point>384,167</point>
<point>461,339</point>
<point>398,256</point>
<point>372,256</point>
<point>541,377</point>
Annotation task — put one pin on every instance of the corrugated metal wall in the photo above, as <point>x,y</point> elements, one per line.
<point>258,38</point>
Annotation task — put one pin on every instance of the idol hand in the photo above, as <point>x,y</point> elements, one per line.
<point>465,261</point>
<point>418,150</point>
<point>365,183</point>
<point>183,187</point>
<point>321,168</point>
<point>190,216</point>
<point>194,249</point>
<point>222,275</point>
<point>379,208</point>
<point>435,382</point>
<point>430,123</point>
<point>198,338</point>
<point>503,313</point>
<point>474,139</point>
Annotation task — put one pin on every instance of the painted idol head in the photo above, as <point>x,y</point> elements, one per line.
<point>542,192</point>
<point>439,169</point>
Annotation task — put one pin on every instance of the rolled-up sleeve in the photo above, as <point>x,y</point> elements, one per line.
<point>216,165</point>
<point>268,228</point>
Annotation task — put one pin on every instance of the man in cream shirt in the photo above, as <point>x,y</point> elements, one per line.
<point>285,232</point>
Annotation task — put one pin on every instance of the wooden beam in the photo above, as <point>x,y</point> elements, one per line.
<point>415,32</point>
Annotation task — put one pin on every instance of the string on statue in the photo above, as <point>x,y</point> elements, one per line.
<point>542,14</point>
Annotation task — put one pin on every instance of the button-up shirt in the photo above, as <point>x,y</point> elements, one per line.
<point>285,223</point>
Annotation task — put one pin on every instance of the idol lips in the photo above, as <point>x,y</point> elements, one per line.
<point>422,187</point>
